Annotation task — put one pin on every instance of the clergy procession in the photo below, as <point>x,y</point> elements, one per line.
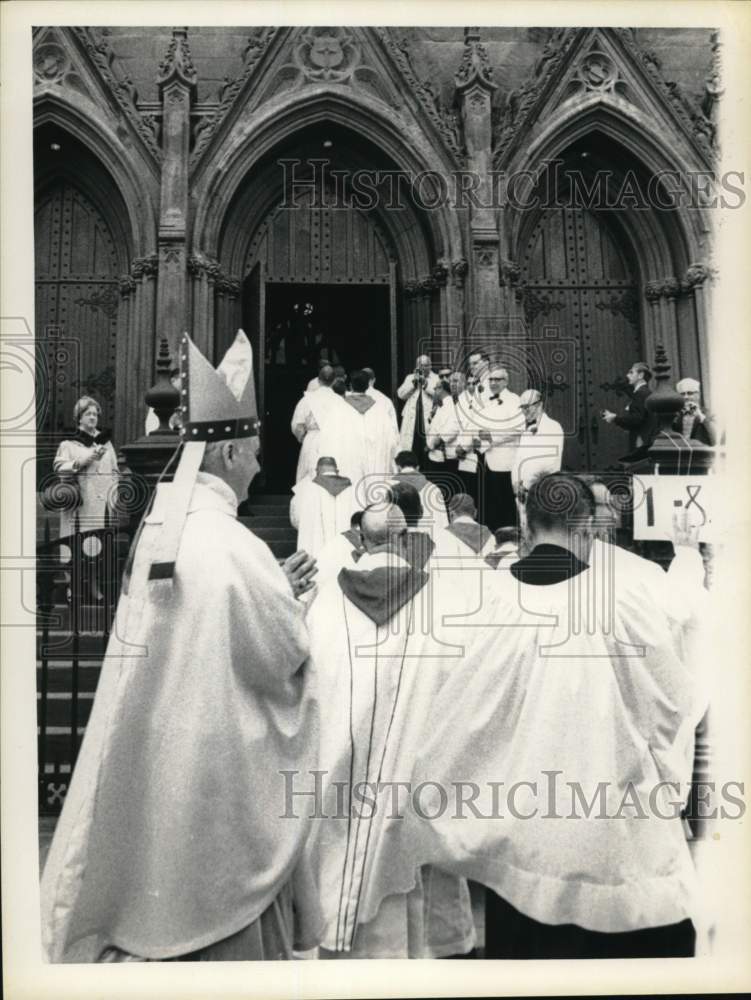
<point>458,722</point>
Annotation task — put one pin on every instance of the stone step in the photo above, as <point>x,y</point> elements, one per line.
<point>59,707</point>
<point>267,521</point>
<point>267,510</point>
<point>279,533</point>
<point>60,676</point>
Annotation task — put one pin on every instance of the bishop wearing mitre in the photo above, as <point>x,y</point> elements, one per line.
<point>171,843</point>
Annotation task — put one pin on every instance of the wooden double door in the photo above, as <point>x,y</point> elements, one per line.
<point>580,298</point>
<point>77,301</point>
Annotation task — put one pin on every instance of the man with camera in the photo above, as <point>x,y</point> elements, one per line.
<point>693,422</point>
<point>416,392</point>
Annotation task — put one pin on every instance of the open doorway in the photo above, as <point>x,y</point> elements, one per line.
<point>345,324</point>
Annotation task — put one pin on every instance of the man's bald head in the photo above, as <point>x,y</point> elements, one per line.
<point>326,375</point>
<point>381,525</point>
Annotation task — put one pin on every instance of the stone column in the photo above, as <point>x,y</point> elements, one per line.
<point>177,89</point>
<point>695,282</point>
<point>474,90</point>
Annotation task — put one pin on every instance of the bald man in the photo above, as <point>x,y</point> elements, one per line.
<point>693,422</point>
<point>416,392</point>
<point>321,507</point>
<point>382,653</point>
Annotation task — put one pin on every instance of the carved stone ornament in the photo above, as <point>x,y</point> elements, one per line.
<point>597,72</point>
<point>671,287</point>
<point>653,291</point>
<point>120,86</point>
<point>227,286</point>
<point>475,66</point>
<point>331,54</point>
<point>51,63</point>
<point>127,285</point>
<point>440,273</point>
<point>177,63</point>
<point>200,263</point>
<point>173,256</point>
<point>713,86</point>
<point>696,274</point>
<point>258,42</point>
<point>145,267</point>
<point>510,272</point>
<point>443,119</point>
<point>459,269</point>
<point>485,257</point>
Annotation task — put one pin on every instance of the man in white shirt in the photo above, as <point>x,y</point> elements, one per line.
<point>501,423</point>
<point>321,507</point>
<point>540,448</point>
<point>312,415</point>
<point>416,392</point>
<point>468,404</point>
<point>442,432</point>
<point>479,370</point>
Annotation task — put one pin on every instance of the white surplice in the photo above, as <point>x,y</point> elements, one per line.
<point>377,683</point>
<point>319,515</point>
<point>585,708</point>
<point>313,414</point>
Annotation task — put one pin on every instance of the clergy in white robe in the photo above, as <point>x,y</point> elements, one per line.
<point>416,392</point>
<point>582,711</point>
<point>382,655</point>
<point>363,439</point>
<point>321,507</point>
<point>540,447</point>
<point>171,842</point>
<point>341,551</point>
<point>384,400</point>
<point>313,415</point>
<point>431,499</point>
<point>475,538</point>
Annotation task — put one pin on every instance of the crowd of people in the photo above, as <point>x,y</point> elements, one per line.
<point>325,754</point>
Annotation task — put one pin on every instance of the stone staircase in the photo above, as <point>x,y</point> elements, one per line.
<point>267,515</point>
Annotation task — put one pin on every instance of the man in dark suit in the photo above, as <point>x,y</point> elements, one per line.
<point>636,419</point>
<point>693,422</point>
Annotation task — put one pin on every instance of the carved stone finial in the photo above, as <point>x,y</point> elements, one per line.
<point>713,87</point>
<point>177,63</point>
<point>475,68</point>
<point>163,397</point>
<point>665,402</point>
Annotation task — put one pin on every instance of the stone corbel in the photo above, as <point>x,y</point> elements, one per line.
<point>459,269</point>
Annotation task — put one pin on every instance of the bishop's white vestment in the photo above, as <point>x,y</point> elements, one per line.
<point>171,837</point>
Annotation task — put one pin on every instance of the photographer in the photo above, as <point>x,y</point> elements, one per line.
<point>693,422</point>
<point>416,392</point>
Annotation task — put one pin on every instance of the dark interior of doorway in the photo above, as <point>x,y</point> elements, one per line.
<point>346,324</point>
